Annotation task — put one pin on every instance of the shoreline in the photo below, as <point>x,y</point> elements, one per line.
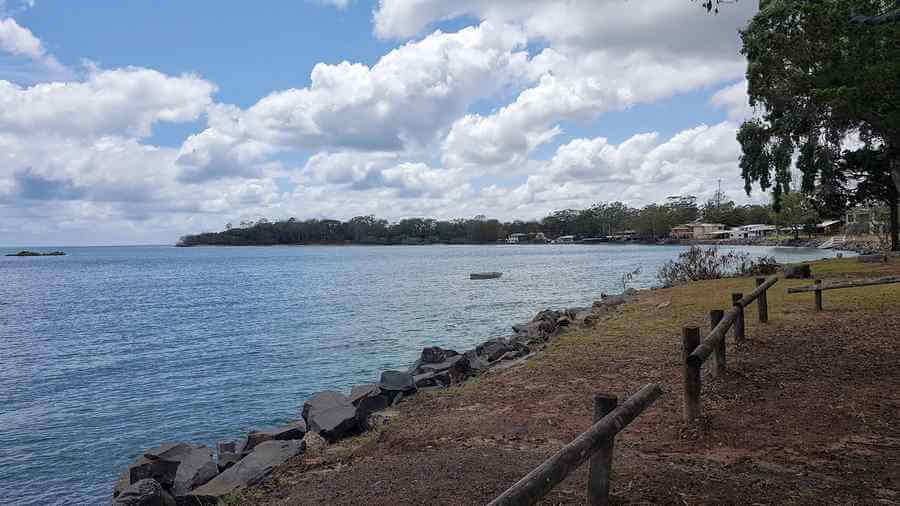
<point>194,472</point>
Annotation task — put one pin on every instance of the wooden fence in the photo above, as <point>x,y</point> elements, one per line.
<point>695,352</point>
<point>835,285</point>
<point>595,444</point>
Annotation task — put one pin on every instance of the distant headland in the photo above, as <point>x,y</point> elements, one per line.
<point>26,253</point>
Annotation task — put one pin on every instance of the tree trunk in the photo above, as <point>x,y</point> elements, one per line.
<point>892,207</point>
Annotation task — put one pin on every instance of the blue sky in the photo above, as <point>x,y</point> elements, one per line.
<point>137,122</point>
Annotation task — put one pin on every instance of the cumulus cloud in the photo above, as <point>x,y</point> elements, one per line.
<point>405,101</point>
<point>735,100</point>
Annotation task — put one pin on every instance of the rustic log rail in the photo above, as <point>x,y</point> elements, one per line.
<point>595,444</point>
<point>819,287</point>
<point>696,352</point>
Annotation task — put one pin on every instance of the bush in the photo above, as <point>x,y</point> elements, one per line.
<point>698,264</point>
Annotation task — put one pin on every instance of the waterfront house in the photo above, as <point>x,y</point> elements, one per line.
<point>863,219</point>
<point>682,232</point>
<point>516,238</point>
<point>830,227</point>
<point>565,239</point>
<point>705,230</point>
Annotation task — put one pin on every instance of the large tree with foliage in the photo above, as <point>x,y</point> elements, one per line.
<point>818,79</point>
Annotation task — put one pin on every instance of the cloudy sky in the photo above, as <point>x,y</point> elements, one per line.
<point>138,122</point>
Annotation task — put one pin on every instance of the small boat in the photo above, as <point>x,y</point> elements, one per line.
<point>485,275</point>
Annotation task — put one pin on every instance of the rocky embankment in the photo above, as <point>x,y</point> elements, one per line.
<point>861,246</point>
<point>185,473</point>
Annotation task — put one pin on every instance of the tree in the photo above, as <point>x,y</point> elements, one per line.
<point>796,212</point>
<point>819,79</point>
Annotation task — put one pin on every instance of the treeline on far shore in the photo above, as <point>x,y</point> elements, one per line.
<point>650,223</point>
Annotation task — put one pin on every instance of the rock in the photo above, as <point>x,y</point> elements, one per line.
<point>435,354</point>
<point>230,452</point>
<point>145,492</point>
<point>797,271</point>
<point>872,259</point>
<point>612,300</point>
<point>492,350</point>
<point>476,363</point>
<point>397,381</point>
<point>196,466</point>
<point>433,379</point>
<point>372,403</point>
<point>293,431</point>
<point>382,418</point>
<point>358,392</point>
<point>331,414</point>
<point>251,470</point>
<point>457,367</point>
<point>537,328</point>
<point>161,471</point>
<point>315,444</point>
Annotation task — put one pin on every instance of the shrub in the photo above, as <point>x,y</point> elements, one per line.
<point>697,264</point>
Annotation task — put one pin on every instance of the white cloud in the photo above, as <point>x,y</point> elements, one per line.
<point>125,101</point>
<point>735,100</point>
<point>18,40</point>
<point>405,101</point>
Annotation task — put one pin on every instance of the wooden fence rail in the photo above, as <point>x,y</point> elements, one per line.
<point>595,444</point>
<point>819,287</point>
<point>695,352</point>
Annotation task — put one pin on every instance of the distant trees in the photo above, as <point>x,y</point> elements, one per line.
<point>651,222</point>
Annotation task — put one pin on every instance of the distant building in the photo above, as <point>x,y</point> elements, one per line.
<point>756,231</point>
<point>830,227</point>
<point>516,238</point>
<point>863,219</point>
<point>682,232</point>
<point>565,239</point>
<point>705,230</point>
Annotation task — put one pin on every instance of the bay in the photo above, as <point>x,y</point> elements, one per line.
<point>110,350</point>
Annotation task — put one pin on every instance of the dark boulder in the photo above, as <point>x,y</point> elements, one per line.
<point>230,452</point>
<point>492,350</point>
<point>145,492</point>
<point>397,381</point>
<point>373,400</point>
<point>249,471</point>
<point>195,466</point>
<point>359,392</point>
<point>541,328</point>
<point>872,259</point>
<point>435,354</point>
<point>798,271</point>
<point>293,431</point>
<point>433,379</point>
<point>160,470</point>
<point>331,414</point>
<point>457,367</point>
<point>477,364</point>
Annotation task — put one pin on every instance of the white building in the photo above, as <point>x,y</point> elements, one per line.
<point>516,238</point>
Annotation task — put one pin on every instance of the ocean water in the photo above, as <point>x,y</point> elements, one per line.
<point>110,350</point>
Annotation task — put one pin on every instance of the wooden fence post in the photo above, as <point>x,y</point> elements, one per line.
<point>763,302</point>
<point>690,339</point>
<point>739,322</point>
<point>601,462</point>
<point>818,295</point>
<point>715,316</point>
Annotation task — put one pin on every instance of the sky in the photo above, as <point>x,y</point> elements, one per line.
<point>138,122</point>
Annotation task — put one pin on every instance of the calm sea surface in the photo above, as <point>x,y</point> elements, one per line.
<point>107,351</point>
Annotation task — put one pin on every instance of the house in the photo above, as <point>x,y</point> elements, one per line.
<point>705,230</point>
<point>863,219</point>
<point>682,232</point>
<point>755,231</point>
<point>830,227</point>
<point>516,238</point>
<point>565,239</point>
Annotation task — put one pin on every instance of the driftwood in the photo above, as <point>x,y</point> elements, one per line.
<point>535,485</point>
<point>854,283</point>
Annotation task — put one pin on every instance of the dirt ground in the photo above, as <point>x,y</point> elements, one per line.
<point>807,414</point>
